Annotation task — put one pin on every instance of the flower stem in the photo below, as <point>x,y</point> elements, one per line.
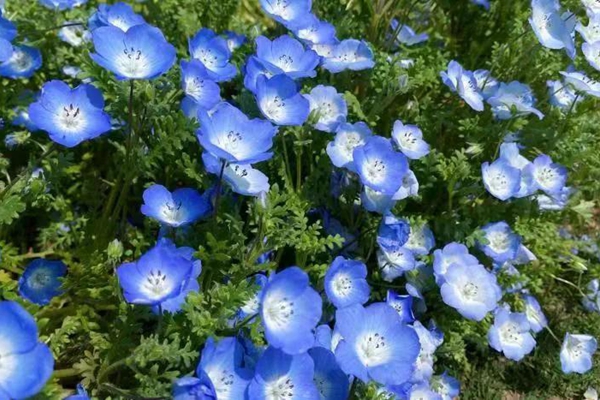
<point>219,184</point>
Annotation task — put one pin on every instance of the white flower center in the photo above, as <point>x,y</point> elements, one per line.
<point>156,283</point>
<point>372,349</point>
<point>341,285</point>
<point>375,170</point>
<point>279,311</point>
<point>509,333</point>
<point>39,279</point>
<point>172,212</point>
<point>470,291</point>
<point>21,60</point>
<point>133,62</point>
<point>274,107</point>
<point>285,62</point>
<point>71,118</point>
<point>281,389</point>
<point>194,86</point>
<point>498,241</point>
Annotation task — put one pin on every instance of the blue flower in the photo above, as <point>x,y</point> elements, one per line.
<point>234,40</point>
<point>175,304</point>
<point>421,240</point>
<point>513,95</point>
<point>430,340</point>
<point>510,334</point>
<point>591,301</point>
<point>553,30</point>
<point>120,15</point>
<point>591,32</point>
<point>283,376</point>
<point>501,179</point>
<point>6,50</point>
<point>471,290</point>
<point>231,136</point>
<point>394,262</point>
<point>213,52</point>
<point>535,315</point>
<point>190,388</point>
<point>549,176</point>
<point>287,12</point>
<point>223,363</point>
<point>581,82</point>
<point>409,188</point>
<point>290,310</point>
<point>452,253</point>
<point>422,391</point>
<point>81,394</point>
<point>375,344</point>
<point>197,84</point>
<point>242,178</point>
<point>23,62</point>
<point>280,102</point>
<point>402,304</point>
<point>329,106</point>
<point>140,53</point>
<point>447,386</point>
<point>509,152</point>
<point>379,166</point>
<point>8,30</point>
<point>346,283</point>
<point>576,353</point>
<point>562,95</point>
<point>590,51</point>
<point>404,34</point>
<point>41,280</point>
<point>350,54</point>
<point>252,305</point>
<point>375,201</point>
<point>332,383</point>
<point>393,232</point>
<point>502,243</point>
<point>347,138</point>
<point>315,31</point>
<point>409,139</point>
<point>70,116</point>
<point>286,55</point>
<point>27,364</point>
<point>75,35</point>
<point>62,4</point>
<point>158,275</point>
<point>464,83</point>
<point>487,84</point>
<point>485,4</point>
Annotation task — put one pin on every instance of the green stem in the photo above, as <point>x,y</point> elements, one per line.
<point>65,373</point>
<point>104,373</point>
<point>569,283</point>
<point>219,184</point>
<point>287,163</point>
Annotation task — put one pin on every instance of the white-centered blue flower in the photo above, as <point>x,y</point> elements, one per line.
<point>452,253</point>
<point>509,152</point>
<point>280,101</point>
<point>409,139</point>
<point>510,334</point>
<point>75,35</point>
<point>430,340</point>
<point>501,179</point>
<point>562,95</point>
<point>402,304</point>
<point>41,280</point>
<point>591,32</point>
<point>286,55</point>
<point>513,95</point>
<point>548,176</point>
<point>349,54</point>
<point>409,188</point>
<point>404,34</point>
<point>553,29</point>
<point>315,31</point>
<point>447,386</point>
<point>286,12</point>
<point>471,289</point>
<point>375,344</point>
<point>379,166</point>
<point>290,310</point>
<point>502,243</point>
<point>535,315</point>
<point>347,138</point>
<point>394,262</point>
<point>213,52</point>
<point>197,84</point>
<point>242,178</point>
<point>346,283</point>
<point>464,83</point>
<point>22,63</point>
<point>329,107</point>
<point>178,208</point>
<point>331,382</point>
<point>577,352</point>
<point>581,82</point>
<point>486,83</point>
<point>420,240</point>
<point>120,15</point>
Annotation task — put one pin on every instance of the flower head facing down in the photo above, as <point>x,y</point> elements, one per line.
<point>464,83</point>
<point>120,15</point>
<point>178,208</point>
<point>290,310</point>
<point>375,345</point>
<point>535,315</point>
<point>231,136</point>
<point>331,382</point>
<point>140,53</point>
<point>70,116</point>
<point>576,353</point>
<point>41,280</point>
<point>510,334</point>
<point>350,54</point>
<point>379,166</point>
<point>404,34</point>
<point>27,364</point>
<point>346,283</point>
<point>329,106</point>
<point>158,275</point>
<point>553,29</point>
<point>287,12</point>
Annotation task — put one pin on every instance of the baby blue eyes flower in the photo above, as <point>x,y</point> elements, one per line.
<point>329,106</point>
<point>179,208</point>
<point>197,84</point>
<point>406,35</point>
<point>280,102</point>
<point>347,138</point>
<point>393,232</point>
<point>286,55</point>
<point>421,240</point>
<point>510,334</point>
<point>471,290</point>
<point>75,35</point>
<point>159,275</point>
<point>231,136</point>
<point>331,382</point>
<point>501,179</point>
<point>62,4</point>
<point>375,344</point>
<point>553,30</point>
<point>290,310</point>
<point>562,95</point>
<point>252,305</point>
<point>70,116</point>
<point>346,283</point>
<point>379,166</point>
<point>550,177</point>
<point>283,376</point>
<point>535,315</point>
<point>242,178</point>
<point>315,31</point>
<point>350,54</point>
<point>447,386</point>
<point>8,30</point>
<point>140,53</point>
<point>464,83</point>
<point>576,353</point>
<point>27,364</point>
<point>430,340</point>
<point>555,202</point>
<point>409,139</point>
<point>513,94</point>
<point>452,253</point>
<point>402,305</point>
<point>581,82</point>
<point>23,62</point>
<point>223,364</point>
<point>590,51</point>
<point>41,281</point>
<point>486,83</point>
<point>234,40</point>
<point>190,388</point>
<point>422,391</point>
<point>394,262</point>
<point>287,12</point>
<point>213,52</point>
<point>120,15</point>
<point>591,32</point>
<point>503,244</point>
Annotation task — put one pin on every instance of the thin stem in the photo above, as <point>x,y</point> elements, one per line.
<point>219,184</point>
<point>287,162</point>
<point>569,283</point>
<point>65,373</point>
<point>52,28</point>
<point>106,371</point>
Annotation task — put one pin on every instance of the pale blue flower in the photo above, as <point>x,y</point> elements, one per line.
<point>577,352</point>
<point>510,334</point>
